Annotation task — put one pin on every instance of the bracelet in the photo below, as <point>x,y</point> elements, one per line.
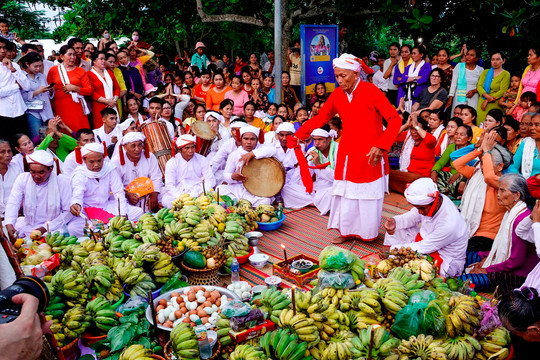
<point>486,152</point>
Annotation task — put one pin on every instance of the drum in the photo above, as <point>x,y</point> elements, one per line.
<point>205,136</point>
<point>159,141</point>
<point>265,177</point>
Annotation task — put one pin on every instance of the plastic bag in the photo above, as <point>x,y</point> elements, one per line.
<point>490,318</point>
<point>333,258</point>
<point>235,308</point>
<point>408,320</point>
<point>253,318</point>
<point>336,280</point>
<point>424,296</point>
<point>133,305</point>
<point>434,317</point>
<point>174,283</point>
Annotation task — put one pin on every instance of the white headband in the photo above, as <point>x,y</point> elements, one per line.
<point>347,62</point>
<point>93,148</point>
<point>251,129</point>
<point>132,137</point>
<point>285,127</point>
<point>185,139</point>
<point>422,191</point>
<point>40,157</point>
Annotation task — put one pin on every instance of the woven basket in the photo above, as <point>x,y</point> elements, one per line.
<point>202,277</point>
<point>167,351</point>
<point>47,351</point>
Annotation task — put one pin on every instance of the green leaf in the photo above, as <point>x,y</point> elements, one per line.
<point>121,336</point>
<point>87,357</point>
<point>426,19</point>
<point>416,13</point>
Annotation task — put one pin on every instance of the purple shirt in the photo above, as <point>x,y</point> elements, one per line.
<point>422,83</point>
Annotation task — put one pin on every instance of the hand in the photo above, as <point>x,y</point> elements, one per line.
<point>75,209</point>
<point>138,96</point>
<point>21,339</point>
<point>453,178</point>
<point>289,51</point>
<point>390,226</point>
<point>132,198</point>
<point>449,102</point>
<point>7,63</point>
<point>393,61</point>
<point>114,139</point>
<point>70,88</point>
<point>401,104</point>
<point>11,233</point>
<point>375,155</point>
<point>489,141</point>
<point>478,269</point>
<point>238,176</point>
<point>535,214</point>
<point>111,103</point>
<point>478,144</point>
<point>245,159</point>
<point>471,93</point>
<point>42,89</point>
<point>315,157</point>
<point>153,201</point>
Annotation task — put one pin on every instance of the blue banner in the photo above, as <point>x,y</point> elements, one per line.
<point>319,46</point>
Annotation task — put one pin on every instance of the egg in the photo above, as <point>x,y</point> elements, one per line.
<point>168,324</point>
<point>161,318</point>
<point>199,288</point>
<point>192,297</point>
<point>207,304</point>
<point>202,313</point>
<point>179,300</point>
<point>178,314</point>
<point>160,307</point>
<point>163,302</point>
<point>175,294</point>
<point>191,312</point>
<point>210,288</point>
<point>194,317</point>
<point>204,320</point>
<point>207,294</point>
<point>186,291</point>
<point>201,299</point>
<point>186,320</point>
<point>172,317</point>
<point>218,302</point>
<point>183,310</point>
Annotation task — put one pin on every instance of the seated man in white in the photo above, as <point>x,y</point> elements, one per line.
<point>219,160</point>
<point>45,198</point>
<point>249,149</point>
<point>433,227</point>
<point>185,171</point>
<point>97,184</point>
<point>214,119</point>
<point>131,164</point>
<point>83,137</point>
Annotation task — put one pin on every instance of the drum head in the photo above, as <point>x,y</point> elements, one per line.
<point>203,130</point>
<point>265,177</point>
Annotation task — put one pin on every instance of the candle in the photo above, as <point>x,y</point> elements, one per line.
<point>218,195</point>
<point>118,199</point>
<point>48,227</point>
<point>371,340</point>
<point>203,189</point>
<point>293,297</point>
<point>284,252</point>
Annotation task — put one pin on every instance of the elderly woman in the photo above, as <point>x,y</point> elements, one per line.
<point>511,258</point>
<point>434,96</point>
<point>527,157</point>
<point>464,81</point>
<point>448,181</point>
<point>417,156</point>
<point>492,85</point>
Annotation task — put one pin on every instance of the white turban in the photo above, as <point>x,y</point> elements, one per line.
<point>132,137</point>
<point>93,148</point>
<point>320,132</point>
<point>238,124</point>
<point>422,191</point>
<point>185,139</point>
<point>347,62</point>
<point>125,124</point>
<point>40,157</point>
<point>285,127</point>
<point>215,115</point>
<point>251,129</point>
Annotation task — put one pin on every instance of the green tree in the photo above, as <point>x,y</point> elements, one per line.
<point>25,22</point>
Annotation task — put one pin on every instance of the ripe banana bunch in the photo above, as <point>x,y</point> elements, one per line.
<point>422,347</point>
<point>119,225</point>
<point>73,256</point>
<point>279,344</point>
<point>55,308</point>
<point>57,330</point>
<point>96,258</point>
<point>146,253</point>
<point>148,236</point>
<point>91,245</point>
<point>130,245</point>
<point>365,306</point>
<point>184,342</point>
<point>192,245</point>
<point>142,286</point>
<point>357,270</point>
<point>266,210</point>
<point>127,272</point>
<point>164,216</point>
<point>115,292</point>
<point>223,328</point>
<point>464,315</point>
<point>191,214</point>
<point>246,352</point>
<point>69,283</point>
<point>336,321</point>
<point>163,269</point>
<point>203,202</point>
<point>393,293</point>
<point>177,231</point>
<point>203,231</point>
<point>462,347</point>
<point>423,267</point>
<point>101,276</point>
<point>408,278</point>
<point>337,351</point>
<point>242,205</point>
<point>272,301</point>
<point>136,352</point>
<point>495,345</point>
<point>75,322</point>
<point>183,200</point>
<point>251,216</point>
<point>383,343</point>
<point>300,324</point>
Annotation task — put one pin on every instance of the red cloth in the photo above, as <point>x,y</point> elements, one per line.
<point>435,255</point>
<point>362,130</point>
<point>533,183</point>
<point>423,156</point>
<point>198,91</point>
<point>63,105</point>
<point>99,91</point>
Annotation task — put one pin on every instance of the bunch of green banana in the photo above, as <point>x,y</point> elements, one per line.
<point>163,269</point>
<point>164,216</point>
<point>203,231</point>
<point>73,257</point>
<point>382,345</point>
<point>462,347</point>
<point>75,322</point>
<point>272,301</point>
<point>69,283</point>
<point>240,220</point>
<point>102,313</point>
<point>337,351</point>
<point>246,352</point>
<point>143,285</point>
<point>393,294</point>
<point>421,347</point>
<point>148,236</point>
<point>409,279</point>
<point>176,230</point>
<point>357,270</point>
<point>301,325</point>
<point>191,214</point>
<point>127,272</point>
<point>279,344</point>
<point>223,328</point>
<point>59,242</point>
<point>365,308</point>
<point>232,229</point>
<point>136,352</point>
<point>495,345</point>
<point>130,245</point>
<point>114,244</point>
<point>146,253</point>
<point>100,276</point>
<point>119,225</point>
<point>214,240</point>
<point>184,342</point>
<point>464,315</point>
<point>55,309</point>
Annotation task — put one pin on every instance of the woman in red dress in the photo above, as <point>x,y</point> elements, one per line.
<point>106,88</point>
<point>71,85</point>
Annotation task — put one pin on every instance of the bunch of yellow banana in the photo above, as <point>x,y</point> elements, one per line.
<point>177,230</point>
<point>146,253</point>
<point>337,351</point>
<point>495,345</point>
<point>136,352</point>
<point>301,325</point>
<point>127,272</point>
<point>147,222</point>
<point>422,347</point>
<point>73,257</point>
<point>97,258</point>
<point>115,292</point>
<point>192,244</point>
<point>267,210</point>
<point>464,315</point>
<point>238,246</point>
<point>423,267</point>
<point>382,345</point>
<point>119,225</point>
<point>408,278</point>
<point>203,231</point>
<point>163,269</point>
<point>148,236</point>
<point>91,245</point>
<point>58,331</point>
<point>393,293</point>
<point>184,342</point>
<point>251,216</point>
<point>182,200</point>
<point>75,322</point>
<point>69,283</point>
<point>203,202</point>
<point>365,309</point>
<point>461,348</point>
<point>246,352</point>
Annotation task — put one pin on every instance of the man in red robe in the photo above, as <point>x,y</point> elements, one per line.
<point>361,172</point>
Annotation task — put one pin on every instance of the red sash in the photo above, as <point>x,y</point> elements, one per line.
<point>435,255</point>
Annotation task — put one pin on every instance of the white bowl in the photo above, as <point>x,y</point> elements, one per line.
<point>273,281</point>
<point>258,261</point>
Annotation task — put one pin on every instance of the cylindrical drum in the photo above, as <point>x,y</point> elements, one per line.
<point>159,142</point>
<point>205,136</point>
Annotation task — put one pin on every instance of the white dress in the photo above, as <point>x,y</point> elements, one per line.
<point>219,160</point>
<point>472,77</point>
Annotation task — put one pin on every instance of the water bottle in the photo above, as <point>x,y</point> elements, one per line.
<point>202,336</point>
<point>235,271</point>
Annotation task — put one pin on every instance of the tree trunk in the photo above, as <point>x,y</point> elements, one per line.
<point>286,34</point>
<point>177,44</point>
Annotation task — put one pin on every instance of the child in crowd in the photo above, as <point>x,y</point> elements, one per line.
<point>509,98</point>
<point>524,104</point>
<point>11,36</point>
<point>150,92</point>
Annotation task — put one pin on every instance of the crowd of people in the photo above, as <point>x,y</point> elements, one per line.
<point>459,139</point>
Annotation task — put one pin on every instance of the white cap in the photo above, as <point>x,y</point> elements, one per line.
<point>422,191</point>
<point>93,148</point>
<point>185,139</point>
<point>132,137</point>
<point>40,157</point>
<point>251,129</point>
<point>285,127</point>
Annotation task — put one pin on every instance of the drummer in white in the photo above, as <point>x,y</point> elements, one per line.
<point>250,149</point>
<point>154,114</point>
<point>185,172</point>
<point>130,165</point>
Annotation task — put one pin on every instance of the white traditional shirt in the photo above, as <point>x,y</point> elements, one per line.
<point>11,100</point>
<point>145,167</point>
<point>101,135</point>
<point>234,164</point>
<point>6,184</point>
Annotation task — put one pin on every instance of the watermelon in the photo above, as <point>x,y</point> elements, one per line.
<point>195,260</point>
